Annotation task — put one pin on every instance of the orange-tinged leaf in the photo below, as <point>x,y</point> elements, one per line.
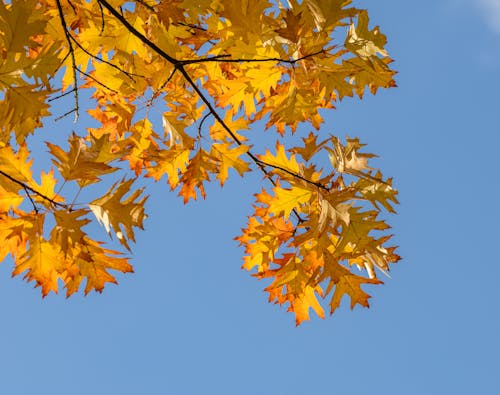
<point>13,239</point>
<point>303,302</point>
<point>20,23</point>
<point>42,263</point>
<point>172,162</point>
<point>197,172</point>
<point>351,285</point>
<point>311,146</point>
<point>92,263</point>
<point>79,163</point>
<point>67,232</point>
<point>21,111</point>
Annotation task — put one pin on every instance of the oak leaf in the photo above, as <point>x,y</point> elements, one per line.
<point>122,214</point>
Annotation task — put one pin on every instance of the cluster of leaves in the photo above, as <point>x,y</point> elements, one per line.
<point>209,69</point>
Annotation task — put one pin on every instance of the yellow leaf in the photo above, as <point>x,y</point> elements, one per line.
<point>17,166</point>
<point>171,162</point>
<point>9,200</point>
<point>46,188</point>
<point>229,159</point>
<point>286,200</point>
<point>280,160</point>
<point>21,111</point>
<point>42,263</point>
<point>120,215</point>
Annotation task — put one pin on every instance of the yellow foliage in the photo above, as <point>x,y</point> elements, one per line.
<point>176,89</point>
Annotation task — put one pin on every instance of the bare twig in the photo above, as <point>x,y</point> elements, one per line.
<point>65,114</point>
<point>61,95</point>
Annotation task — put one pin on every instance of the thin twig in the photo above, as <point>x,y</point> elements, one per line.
<point>65,115</point>
<point>129,75</point>
<point>35,207</point>
<point>96,81</point>
<point>223,59</point>
<point>155,94</point>
<point>72,54</point>
<point>61,95</point>
<point>205,117</point>
<point>317,184</point>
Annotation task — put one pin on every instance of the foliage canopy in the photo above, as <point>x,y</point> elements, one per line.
<point>206,70</point>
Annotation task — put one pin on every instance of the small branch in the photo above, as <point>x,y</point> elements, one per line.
<point>195,27</point>
<point>28,188</point>
<point>35,207</point>
<point>155,94</point>
<point>144,4</point>
<point>72,6</point>
<point>72,54</point>
<point>205,117</point>
<point>96,81</point>
<point>316,184</point>
<point>65,115</point>
<point>129,75</point>
<point>61,95</point>
<point>102,18</point>
<point>223,59</point>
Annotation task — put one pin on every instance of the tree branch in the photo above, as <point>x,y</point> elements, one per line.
<point>179,65</point>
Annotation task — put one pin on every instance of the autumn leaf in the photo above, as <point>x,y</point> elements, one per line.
<point>287,200</point>
<point>79,163</point>
<point>92,263</point>
<point>229,158</point>
<point>121,214</point>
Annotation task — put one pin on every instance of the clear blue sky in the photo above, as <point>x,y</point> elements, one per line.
<point>189,321</point>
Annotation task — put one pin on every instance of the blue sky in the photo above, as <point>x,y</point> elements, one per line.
<point>189,321</point>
